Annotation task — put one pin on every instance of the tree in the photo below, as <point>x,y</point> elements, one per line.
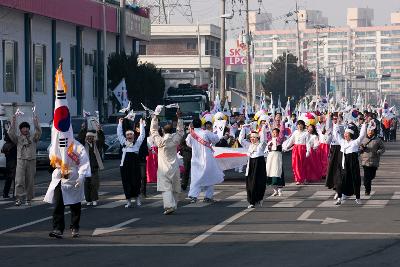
<point>299,78</point>
<point>144,82</point>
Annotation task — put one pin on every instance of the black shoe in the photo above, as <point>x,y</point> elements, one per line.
<point>367,193</point>
<point>56,233</point>
<point>208,200</point>
<point>183,187</point>
<point>193,199</point>
<point>75,233</point>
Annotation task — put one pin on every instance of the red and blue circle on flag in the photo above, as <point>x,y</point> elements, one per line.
<point>62,119</point>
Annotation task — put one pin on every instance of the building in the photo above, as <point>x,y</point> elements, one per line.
<point>259,21</point>
<point>395,18</point>
<point>359,17</point>
<point>310,18</point>
<point>175,49</point>
<point>350,60</point>
<point>35,33</point>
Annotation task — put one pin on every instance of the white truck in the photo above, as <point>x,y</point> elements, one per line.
<point>7,110</point>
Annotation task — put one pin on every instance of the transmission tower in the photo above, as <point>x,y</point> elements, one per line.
<point>161,11</point>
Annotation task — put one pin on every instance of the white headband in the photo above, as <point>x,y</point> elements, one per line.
<point>91,134</point>
<point>254,135</point>
<point>349,131</point>
<point>130,131</point>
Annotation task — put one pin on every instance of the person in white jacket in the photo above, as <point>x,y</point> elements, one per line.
<point>68,190</point>
<point>168,173</point>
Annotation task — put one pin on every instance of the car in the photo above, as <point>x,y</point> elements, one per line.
<point>42,153</point>
<point>112,148</point>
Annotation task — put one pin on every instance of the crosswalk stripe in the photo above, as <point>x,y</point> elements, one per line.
<point>285,194</point>
<point>322,194</point>
<point>239,204</point>
<point>36,202</point>
<point>353,197</point>
<point>288,203</point>
<point>154,204</point>
<point>201,204</point>
<point>117,197</point>
<point>396,195</point>
<point>327,204</point>
<point>240,195</point>
<point>5,202</point>
<point>375,203</point>
<point>111,205</point>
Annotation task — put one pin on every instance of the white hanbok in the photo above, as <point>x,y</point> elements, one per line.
<point>168,167</point>
<point>205,171</point>
<point>71,194</point>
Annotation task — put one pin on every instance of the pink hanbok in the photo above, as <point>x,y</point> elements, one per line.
<point>152,161</point>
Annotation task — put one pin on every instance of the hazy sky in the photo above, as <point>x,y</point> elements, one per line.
<point>335,10</point>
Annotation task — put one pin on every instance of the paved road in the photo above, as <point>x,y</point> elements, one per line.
<point>301,228</point>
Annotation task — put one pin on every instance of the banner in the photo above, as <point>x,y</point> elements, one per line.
<point>121,94</point>
<point>219,127</point>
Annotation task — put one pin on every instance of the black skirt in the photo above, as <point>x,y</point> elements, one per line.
<point>351,180</point>
<point>334,175</point>
<point>256,180</point>
<point>130,174</point>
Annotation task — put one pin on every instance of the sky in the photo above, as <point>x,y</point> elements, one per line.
<point>207,11</point>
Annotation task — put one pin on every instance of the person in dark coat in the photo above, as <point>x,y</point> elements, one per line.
<point>10,151</point>
<point>371,150</point>
<point>186,153</point>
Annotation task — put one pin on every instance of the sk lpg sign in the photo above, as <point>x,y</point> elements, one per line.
<point>237,56</point>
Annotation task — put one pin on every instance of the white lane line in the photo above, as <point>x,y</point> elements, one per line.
<point>115,228</point>
<point>217,228</point>
<point>240,204</point>
<point>285,194</point>
<point>159,196</point>
<point>117,197</point>
<point>5,202</point>
<point>240,195</point>
<point>322,194</point>
<point>396,195</point>
<point>37,201</point>
<point>310,232</point>
<point>328,204</point>
<point>353,197</point>
<point>375,203</point>
<point>288,203</point>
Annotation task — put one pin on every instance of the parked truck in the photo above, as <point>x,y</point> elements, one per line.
<point>7,110</point>
<point>192,101</point>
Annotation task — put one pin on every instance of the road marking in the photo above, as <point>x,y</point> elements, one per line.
<point>396,195</point>
<point>156,204</point>
<point>309,232</point>
<point>112,205</point>
<point>201,204</point>
<point>217,228</point>
<point>37,201</point>
<point>115,228</point>
<point>94,245</point>
<point>322,194</point>
<point>5,202</point>
<point>288,203</point>
<point>117,197</point>
<point>240,204</point>
<point>328,204</point>
<point>285,194</point>
<point>375,203</point>
<point>241,195</point>
<point>305,217</point>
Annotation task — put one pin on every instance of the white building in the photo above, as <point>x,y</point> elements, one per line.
<point>367,58</point>
<point>35,33</point>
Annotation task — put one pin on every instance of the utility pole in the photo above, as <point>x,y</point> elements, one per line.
<point>317,74</point>
<point>222,54</point>
<point>286,63</point>
<point>248,68</point>
<point>299,62</point>
<point>199,51</point>
<point>122,26</point>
